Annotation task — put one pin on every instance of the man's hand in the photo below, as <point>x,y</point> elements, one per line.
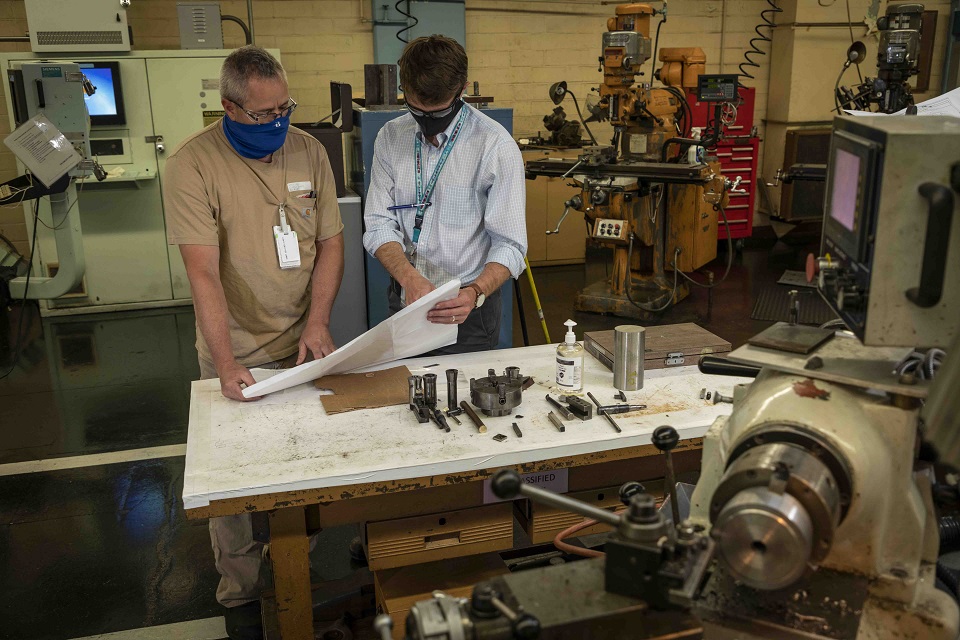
<point>415,288</point>
<point>232,376</point>
<point>317,340</point>
<point>454,311</point>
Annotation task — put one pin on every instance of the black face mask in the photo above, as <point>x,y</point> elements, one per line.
<point>435,126</point>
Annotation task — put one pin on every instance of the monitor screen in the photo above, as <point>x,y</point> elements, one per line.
<point>105,106</point>
<point>846,186</point>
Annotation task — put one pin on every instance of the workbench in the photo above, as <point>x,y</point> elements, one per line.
<point>282,454</point>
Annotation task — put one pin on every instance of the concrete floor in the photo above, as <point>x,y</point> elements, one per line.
<point>105,547</point>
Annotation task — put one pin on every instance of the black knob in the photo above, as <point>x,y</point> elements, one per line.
<point>630,489</point>
<point>481,601</point>
<point>665,438</point>
<point>642,509</point>
<point>506,484</point>
<point>526,627</point>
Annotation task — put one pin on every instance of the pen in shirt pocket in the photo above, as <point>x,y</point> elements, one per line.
<point>312,194</point>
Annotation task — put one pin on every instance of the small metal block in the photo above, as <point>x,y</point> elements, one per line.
<point>499,437</point>
<point>703,393</point>
<point>580,407</point>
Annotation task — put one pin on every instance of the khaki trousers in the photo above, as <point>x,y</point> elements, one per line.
<point>238,557</point>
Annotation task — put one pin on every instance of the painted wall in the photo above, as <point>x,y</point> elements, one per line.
<point>517,48</point>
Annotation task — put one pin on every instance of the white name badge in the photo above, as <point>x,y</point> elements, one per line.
<point>288,250</point>
<point>299,186</point>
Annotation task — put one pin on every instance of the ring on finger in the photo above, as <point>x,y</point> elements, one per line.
<point>453,318</point>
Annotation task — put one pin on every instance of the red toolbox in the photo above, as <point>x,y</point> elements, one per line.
<point>738,155</point>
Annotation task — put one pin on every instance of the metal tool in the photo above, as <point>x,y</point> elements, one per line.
<point>609,418</point>
<point>556,421</point>
<point>665,439</point>
<point>497,395</point>
<point>620,408</point>
<point>719,397</point>
<point>453,416</point>
<point>621,396</point>
<point>794,306</point>
<point>499,437</point>
<point>566,413</point>
<point>516,430</point>
<point>467,409</point>
<point>383,625</point>
<point>430,389</point>
<point>452,408</point>
<point>628,351</point>
<point>440,420</point>
<point>417,403</point>
<point>579,407</point>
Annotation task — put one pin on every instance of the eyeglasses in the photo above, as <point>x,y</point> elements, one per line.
<point>266,117</point>
<point>434,115</point>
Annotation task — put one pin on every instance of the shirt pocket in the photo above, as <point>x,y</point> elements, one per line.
<point>459,207</point>
<point>302,215</point>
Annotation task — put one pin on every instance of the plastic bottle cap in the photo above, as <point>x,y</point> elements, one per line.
<point>571,337</point>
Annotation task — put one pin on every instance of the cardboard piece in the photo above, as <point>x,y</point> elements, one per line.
<point>353,391</point>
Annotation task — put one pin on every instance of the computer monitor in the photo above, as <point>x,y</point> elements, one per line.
<point>105,106</point>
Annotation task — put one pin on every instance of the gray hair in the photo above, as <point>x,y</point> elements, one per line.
<point>247,62</point>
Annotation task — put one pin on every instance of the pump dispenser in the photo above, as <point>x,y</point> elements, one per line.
<point>570,361</point>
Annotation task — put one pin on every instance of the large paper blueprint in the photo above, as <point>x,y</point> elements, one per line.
<point>403,335</point>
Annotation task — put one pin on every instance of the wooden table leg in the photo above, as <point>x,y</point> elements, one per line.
<point>289,549</point>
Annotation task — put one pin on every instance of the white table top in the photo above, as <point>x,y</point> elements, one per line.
<point>286,442</point>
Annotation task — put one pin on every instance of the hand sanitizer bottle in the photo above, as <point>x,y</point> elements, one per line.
<point>570,361</point>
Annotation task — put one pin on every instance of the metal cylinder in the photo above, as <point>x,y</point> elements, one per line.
<point>628,351</point>
<point>774,514</point>
<point>430,389</point>
<point>451,389</point>
<point>412,381</point>
<point>765,538</point>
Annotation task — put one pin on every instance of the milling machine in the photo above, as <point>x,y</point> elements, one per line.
<point>656,215</point>
<point>813,516</point>
<point>897,60</point>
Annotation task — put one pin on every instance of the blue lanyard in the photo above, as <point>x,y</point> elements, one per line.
<point>423,196</point>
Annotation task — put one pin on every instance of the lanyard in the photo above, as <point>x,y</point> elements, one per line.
<point>423,196</point>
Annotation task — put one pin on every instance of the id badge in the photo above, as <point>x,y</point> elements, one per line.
<point>288,249</point>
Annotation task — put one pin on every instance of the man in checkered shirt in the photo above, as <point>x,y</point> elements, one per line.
<point>472,223</point>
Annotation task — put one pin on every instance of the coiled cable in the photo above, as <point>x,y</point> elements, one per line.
<point>766,22</point>
<point>408,15</point>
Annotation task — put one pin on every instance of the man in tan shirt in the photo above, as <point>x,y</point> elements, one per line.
<point>225,190</point>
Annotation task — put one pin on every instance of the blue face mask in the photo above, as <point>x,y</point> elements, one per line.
<point>256,141</point>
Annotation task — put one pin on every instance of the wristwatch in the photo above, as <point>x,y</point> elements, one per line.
<point>481,296</point>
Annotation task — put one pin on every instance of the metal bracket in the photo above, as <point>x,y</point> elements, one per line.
<point>674,359</point>
<point>157,142</point>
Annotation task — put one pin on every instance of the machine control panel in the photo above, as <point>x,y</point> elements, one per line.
<point>606,229</point>
<point>717,87</point>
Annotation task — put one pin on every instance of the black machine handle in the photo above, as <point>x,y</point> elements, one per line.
<point>933,270</point>
<point>715,365</point>
<point>41,101</point>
